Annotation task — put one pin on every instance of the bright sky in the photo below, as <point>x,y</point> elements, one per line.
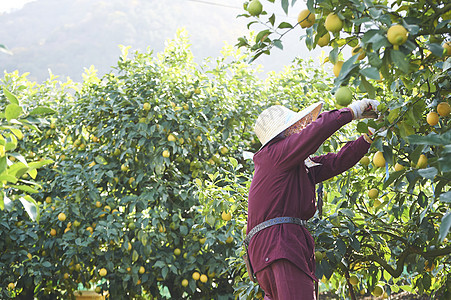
<point>8,5</point>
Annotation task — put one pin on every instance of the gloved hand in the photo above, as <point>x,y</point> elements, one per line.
<point>364,109</point>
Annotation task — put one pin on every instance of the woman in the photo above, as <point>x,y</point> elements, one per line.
<point>282,192</point>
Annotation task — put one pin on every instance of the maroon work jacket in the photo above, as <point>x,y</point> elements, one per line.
<point>283,186</point>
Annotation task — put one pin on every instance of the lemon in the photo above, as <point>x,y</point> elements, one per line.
<point>226,216</point>
<point>184,282</point>
<point>365,161</point>
<point>62,217</point>
<point>397,35</point>
<point>166,153</point>
<point>203,278</point>
<point>306,18</point>
<point>254,8</point>
<point>171,138</point>
<point>48,199</point>
<point>324,40</point>
<point>229,240</point>
<point>343,96</point>
<point>52,232</point>
<point>333,23</point>
<point>196,275</point>
<point>103,272</point>
<point>11,285</point>
<point>358,50</point>
<point>377,203</point>
<point>337,67</point>
<point>353,280</point>
<point>443,109</point>
<point>224,150</point>
<point>142,270</point>
<point>146,106</point>
<point>373,193</point>
<point>318,256</point>
<point>378,159</point>
<point>422,162</point>
<point>124,168</point>
<point>177,251</point>
<point>378,291</point>
<point>447,48</point>
<point>432,118</point>
<point>399,167</point>
<point>98,204</point>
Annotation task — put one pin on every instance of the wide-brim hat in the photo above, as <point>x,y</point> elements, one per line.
<point>275,119</point>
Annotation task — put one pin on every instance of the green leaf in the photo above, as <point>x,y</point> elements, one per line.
<point>428,173</point>
<point>11,97</point>
<point>400,60</point>
<point>394,113</point>
<point>3,164</point>
<point>278,44</point>
<point>445,226</point>
<point>30,207</point>
<point>285,25</point>
<point>8,178</point>
<point>371,73</point>
<point>445,197</point>
<point>25,188</point>
<point>432,139</point>
<point>285,6</point>
<point>369,88</point>
<point>362,127</point>
<point>42,110</point>
<point>12,111</point>
<point>38,164</point>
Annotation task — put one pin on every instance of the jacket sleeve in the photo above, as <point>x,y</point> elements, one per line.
<point>333,164</point>
<point>293,150</point>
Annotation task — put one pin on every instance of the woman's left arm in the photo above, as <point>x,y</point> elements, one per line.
<point>332,164</point>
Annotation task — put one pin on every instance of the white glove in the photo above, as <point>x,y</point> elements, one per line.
<point>365,108</point>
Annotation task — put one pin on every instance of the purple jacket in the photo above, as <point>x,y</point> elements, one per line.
<point>283,186</point>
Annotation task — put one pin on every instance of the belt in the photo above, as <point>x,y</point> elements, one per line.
<point>271,222</point>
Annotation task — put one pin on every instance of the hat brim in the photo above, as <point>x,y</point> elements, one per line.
<point>313,109</point>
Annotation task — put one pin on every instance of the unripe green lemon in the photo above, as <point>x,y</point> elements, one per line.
<point>343,96</point>
<point>255,8</point>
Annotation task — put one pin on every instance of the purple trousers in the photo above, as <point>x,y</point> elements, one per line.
<point>282,280</point>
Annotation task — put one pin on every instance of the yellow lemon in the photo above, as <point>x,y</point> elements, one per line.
<point>142,270</point>
<point>146,106</point>
<point>318,256</point>
<point>324,40</point>
<point>203,278</point>
<point>62,217</point>
<point>360,51</point>
<point>333,23</point>
<point>337,67</point>
<point>226,216</point>
<point>196,275</point>
<point>177,251</point>
<point>399,167</point>
<point>166,153</point>
<point>171,138</point>
<point>184,282</point>
<point>397,35</point>
<point>124,168</point>
<point>52,232</point>
<point>11,285</point>
<point>373,193</point>
<point>447,48</point>
<point>422,162</point>
<point>378,159</point>
<point>103,272</point>
<point>229,240</point>
<point>443,109</point>
<point>432,118</point>
<point>306,18</point>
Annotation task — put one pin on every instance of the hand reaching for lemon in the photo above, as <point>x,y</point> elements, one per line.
<point>364,109</point>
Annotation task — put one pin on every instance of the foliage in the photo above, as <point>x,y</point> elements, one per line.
<point>395,239</point>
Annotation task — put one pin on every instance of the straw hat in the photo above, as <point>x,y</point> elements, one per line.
<point>275,119</point>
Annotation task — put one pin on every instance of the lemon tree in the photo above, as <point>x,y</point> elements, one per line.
<point>396,53</point>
